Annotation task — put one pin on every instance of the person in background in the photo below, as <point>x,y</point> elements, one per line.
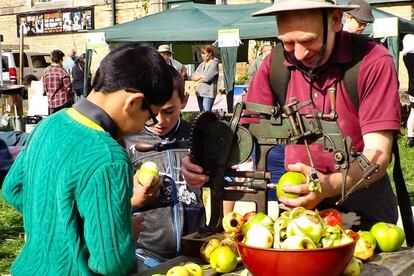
<point>357,20</point>
<point>73,181</point>
<point>78,78</point>
<point>315,49</point>
<point>408,58</point>
<point>70,61</point>
<point>170,210</point>
<point>206,75</point>
<point>265,49</point>
<point>57,85</point>
<point>166,53</point>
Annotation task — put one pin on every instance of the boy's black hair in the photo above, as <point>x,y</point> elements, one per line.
<point>135,66</point>
<point>178,81</point>
<point>57,56</point>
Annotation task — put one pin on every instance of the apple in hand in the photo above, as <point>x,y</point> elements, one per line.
<point>148,174</point>
<point>389,236</point>
<point>194,269</point>
<point>178,271</point>
<point>223,259</point>
<point>207,248</point>
<point>289,179</point>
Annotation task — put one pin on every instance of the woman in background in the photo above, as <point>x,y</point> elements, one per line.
<point>206,75</point>
<point>408,52</point>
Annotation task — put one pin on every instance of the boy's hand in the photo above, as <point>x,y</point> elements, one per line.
<point>143,193</point>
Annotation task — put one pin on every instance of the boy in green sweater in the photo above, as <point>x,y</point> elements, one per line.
<point>73,182</point>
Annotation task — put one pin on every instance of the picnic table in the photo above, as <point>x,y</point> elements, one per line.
<point>399,263</point>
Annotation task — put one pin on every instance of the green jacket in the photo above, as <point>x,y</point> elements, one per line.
<point>73,185</point>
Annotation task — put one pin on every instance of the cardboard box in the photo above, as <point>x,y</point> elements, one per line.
<point>190,87</point>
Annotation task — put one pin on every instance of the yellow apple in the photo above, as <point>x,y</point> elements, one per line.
<point>178,271</point>
<point>148,174</point>
<point>194,269</point>
<point>223,259</point>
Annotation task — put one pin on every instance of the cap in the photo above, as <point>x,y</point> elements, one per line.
<point>363,13</point>
<point>296,5</point>
<point>164,48</point>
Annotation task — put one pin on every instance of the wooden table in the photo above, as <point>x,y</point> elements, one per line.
<point>399,263</point>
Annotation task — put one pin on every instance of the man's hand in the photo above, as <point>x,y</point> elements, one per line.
<point>192,173</point>
<point>308,199</point>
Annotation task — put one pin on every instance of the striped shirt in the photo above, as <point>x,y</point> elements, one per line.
<point>57,86</point>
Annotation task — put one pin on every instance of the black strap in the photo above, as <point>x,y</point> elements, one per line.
<point>403,197</point>
<point>279,76</point>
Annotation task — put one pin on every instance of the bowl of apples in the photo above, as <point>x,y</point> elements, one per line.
<point>298,242</point>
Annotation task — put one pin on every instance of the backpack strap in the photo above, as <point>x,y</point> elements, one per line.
<point>351,69</point>
<point>279,76</point>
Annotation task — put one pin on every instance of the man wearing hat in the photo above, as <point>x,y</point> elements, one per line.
<point>166,53</point>
<point>315,49</point>
<point>357,20</point>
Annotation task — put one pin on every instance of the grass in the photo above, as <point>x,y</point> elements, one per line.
<point>11,224</point>
<point>11,235</point>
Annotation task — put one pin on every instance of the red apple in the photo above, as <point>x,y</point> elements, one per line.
<point>248,216</point>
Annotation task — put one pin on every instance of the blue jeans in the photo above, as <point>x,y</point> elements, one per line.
<point>205,103</point>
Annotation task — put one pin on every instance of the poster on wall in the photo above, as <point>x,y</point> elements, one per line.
<point>55,21</point>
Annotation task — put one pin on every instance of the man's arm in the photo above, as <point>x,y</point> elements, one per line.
<point>377,149</point>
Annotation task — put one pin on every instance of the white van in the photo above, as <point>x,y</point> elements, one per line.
<point>34,64</point>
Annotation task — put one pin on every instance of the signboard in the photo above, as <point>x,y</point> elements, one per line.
<point>56,21</point>
<point>384,27</point>
<point>228,38</point>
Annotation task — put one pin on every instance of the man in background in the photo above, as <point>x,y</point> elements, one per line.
<point>166,53</point>
<point>68,65</point>
<point>357,20</point>
<point>264,51</point>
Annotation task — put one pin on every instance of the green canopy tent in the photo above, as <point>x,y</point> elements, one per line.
<point>194,23</point>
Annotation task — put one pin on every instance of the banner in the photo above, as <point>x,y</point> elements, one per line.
<point>56,21</point>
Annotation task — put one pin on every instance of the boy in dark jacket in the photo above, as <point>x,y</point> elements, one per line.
<point>171,209</point>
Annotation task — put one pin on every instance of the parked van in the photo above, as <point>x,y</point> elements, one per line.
<point>34,64</point>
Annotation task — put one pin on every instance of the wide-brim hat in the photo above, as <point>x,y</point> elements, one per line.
<point>164,48</point>
<point>297,5</point>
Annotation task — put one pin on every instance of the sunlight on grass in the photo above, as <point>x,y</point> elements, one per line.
<point>11,235</point>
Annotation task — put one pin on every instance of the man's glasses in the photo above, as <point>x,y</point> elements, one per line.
<point>152,121</point>
<point>360,24</point>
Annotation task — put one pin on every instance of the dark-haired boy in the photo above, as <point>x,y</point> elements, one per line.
<point>172,209</point>
<point>73,182</point>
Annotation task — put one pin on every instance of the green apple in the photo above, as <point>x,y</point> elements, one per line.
<point>259,218</point>
<point>148,174</point>
<point>365,246</point>
<point>354,268</point>
<point>207,248</point>
<point>308,224</point>
<point>389,236</point>
<point>259,236</point>
<point>289,179</point>
<point>298,242</point>
<point>178,271</point>
<point>223,259</point>
<point>194,269</point>
<point>232,222</point>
